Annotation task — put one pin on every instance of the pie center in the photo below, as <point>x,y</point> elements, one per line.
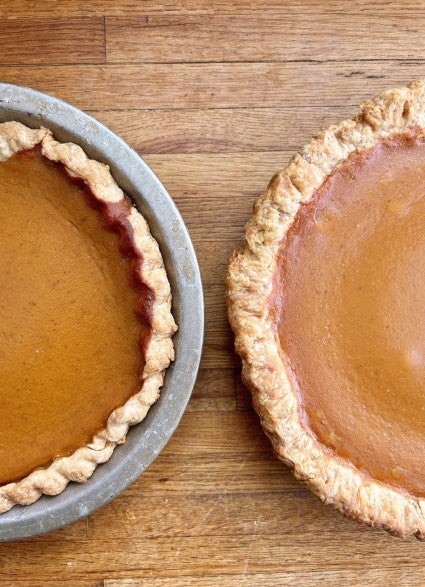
<point>349,302</point>
<point>69,335</point>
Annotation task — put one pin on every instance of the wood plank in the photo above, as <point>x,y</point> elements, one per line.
<point>215,473</point>
<point>72,8</point>
<point>264,37</point>
<point>247,436</point>
<point>224,514</point>
<point>218,335</point>
<point>222,85</point>
<point>37,582</point>
<point>220,177</point>
<point>215,555</point>
<point>206,208</point>
<point>214,383</point>
<point>215,256</point>
<point>218,351</point>
<point>218,354</point>
<point>215,309</point>
<point>348,578</point>
<point>202,185</point>
<point>212,404</point>
<point>52,41</point>
<point>219,130</point>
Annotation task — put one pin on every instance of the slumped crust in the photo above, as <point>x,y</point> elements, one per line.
<point>79,466</point>
<point>251,270</point>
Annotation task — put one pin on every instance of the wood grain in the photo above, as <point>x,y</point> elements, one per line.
<point>258,37</point>
<point>257,472</point>
<point>216,85</point>
<point>53,583</point>
<point>216,96</point>
<point>215,383</point>
<point>72,8</point>
<point>52,40</point>
<point>407,578</point>
<point>213,555</point>
<point>219,130</point>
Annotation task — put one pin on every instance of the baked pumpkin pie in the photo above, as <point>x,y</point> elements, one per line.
<point>327,302</point>
<point>85,322</point>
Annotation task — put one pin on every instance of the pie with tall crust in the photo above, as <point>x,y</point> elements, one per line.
<point>327,298</point>
<point>85,321</point>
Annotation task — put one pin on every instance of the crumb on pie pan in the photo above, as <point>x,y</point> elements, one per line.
<point>145,440</point>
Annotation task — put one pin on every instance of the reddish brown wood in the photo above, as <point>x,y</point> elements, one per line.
<point>52,40</point>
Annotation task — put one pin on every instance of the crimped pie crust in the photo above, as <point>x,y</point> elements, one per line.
<point>335,481</point>
<point>79,466</point>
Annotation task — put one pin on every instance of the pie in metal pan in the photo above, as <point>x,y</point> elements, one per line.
<point>86,324</point>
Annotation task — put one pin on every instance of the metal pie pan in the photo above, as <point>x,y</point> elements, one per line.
<point>145,440</point>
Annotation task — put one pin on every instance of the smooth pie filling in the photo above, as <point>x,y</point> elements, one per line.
<point>70,340</point>
<point>349,303</point>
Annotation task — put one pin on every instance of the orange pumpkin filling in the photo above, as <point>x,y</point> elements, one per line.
<point>70,339</point>
<point>349,305</point>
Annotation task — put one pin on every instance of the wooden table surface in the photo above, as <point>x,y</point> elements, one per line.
<point>215,96</point>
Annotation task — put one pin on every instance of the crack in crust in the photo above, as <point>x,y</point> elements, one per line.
<point>250,274</point>
<point>79,466</point>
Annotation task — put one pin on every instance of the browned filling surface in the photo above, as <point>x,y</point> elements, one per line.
<point>349,300</point>
<point>70,347</point>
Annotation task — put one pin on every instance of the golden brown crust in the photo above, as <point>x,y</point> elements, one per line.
<point>251,269</point>
<point>80,465</point>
